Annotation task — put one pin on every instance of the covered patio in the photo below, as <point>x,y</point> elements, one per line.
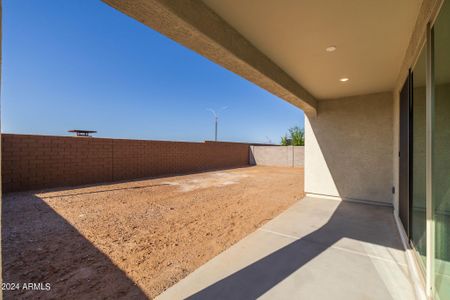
<point>317,249</point>
<point>349,67</point>
<point>344,64</point>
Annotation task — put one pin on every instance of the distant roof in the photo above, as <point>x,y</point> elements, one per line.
<point>79,132</point>
<point>82,131</point>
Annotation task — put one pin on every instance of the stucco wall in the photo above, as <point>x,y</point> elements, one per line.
<point>349,145</point>
<point>283,156</point>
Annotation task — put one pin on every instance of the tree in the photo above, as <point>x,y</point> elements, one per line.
<point>285,141</point>
<point>296,137</point>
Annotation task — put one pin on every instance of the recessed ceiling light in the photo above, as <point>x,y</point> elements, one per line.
<point>331,49</point>
<point>343,79</point>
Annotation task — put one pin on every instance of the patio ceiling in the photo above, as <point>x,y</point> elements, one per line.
<point>370,37</point>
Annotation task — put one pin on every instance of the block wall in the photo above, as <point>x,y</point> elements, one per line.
<point>31,162</point>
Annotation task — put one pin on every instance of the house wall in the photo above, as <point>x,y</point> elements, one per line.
<point>282,156</point>
<point>348,149</point>
<point>35,162</point>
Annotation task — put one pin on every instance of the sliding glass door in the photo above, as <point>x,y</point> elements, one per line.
<point>441,154</point>
<point>425,144</point>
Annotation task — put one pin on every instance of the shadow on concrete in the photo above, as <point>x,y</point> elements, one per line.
<point>349,220</point>
<point>39,246</point>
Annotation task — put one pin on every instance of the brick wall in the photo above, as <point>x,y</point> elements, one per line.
<point>32,162</point>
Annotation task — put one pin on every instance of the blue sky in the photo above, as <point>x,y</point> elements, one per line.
<point>81,64</point>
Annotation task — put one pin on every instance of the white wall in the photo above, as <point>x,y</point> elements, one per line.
<point>348,148</point>
<point>282,156</point>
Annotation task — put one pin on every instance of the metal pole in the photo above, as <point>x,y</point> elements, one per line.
<point>215,134</point>
<point>216,119</point>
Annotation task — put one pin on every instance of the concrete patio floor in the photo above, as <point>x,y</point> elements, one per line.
<point>317,249</point>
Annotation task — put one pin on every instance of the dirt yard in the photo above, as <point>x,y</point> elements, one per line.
<point>133,240</point>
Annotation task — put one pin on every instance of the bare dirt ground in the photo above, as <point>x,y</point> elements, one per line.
<point>134,240</point>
